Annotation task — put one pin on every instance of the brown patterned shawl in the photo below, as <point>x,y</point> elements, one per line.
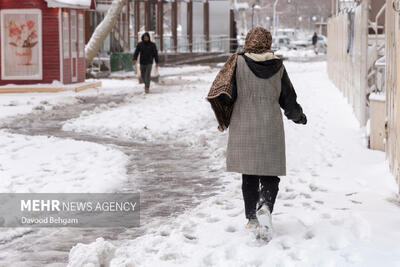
<point>258,40</point>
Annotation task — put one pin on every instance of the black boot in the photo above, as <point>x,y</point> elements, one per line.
<point>268,192</point>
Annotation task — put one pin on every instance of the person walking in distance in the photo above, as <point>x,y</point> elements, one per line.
<point>315,42</point>
<point>247,96</point>
<point>148,52</point>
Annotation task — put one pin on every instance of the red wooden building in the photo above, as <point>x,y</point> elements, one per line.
<point>43,41</point>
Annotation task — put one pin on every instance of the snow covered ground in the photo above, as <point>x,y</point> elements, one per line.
<point>336,207</point>
<point>302,54</point>
<point>176,108</point>
<point>51,164</point>
<point>40,164</point>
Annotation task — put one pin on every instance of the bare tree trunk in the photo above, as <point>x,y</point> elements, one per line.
<point>103,29</point>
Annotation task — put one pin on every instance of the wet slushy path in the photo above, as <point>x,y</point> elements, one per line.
<point>171,178</point>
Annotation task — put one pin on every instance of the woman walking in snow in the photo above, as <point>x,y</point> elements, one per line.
<point>247,96</point>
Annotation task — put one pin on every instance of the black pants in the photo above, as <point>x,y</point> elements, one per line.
<point>253,193</point>
<point>145,73</point>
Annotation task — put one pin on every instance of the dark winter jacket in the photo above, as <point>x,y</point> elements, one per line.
<point>315,39</point>
<point>288,96</point>
<point>147,51</point>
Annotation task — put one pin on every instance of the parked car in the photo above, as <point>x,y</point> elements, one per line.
<point>291,33</point>
<point>280,42</point>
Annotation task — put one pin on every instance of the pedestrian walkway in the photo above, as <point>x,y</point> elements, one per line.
<point>337,206</point>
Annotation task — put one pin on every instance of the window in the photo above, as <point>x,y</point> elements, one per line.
<point>81,36</point>
<point>66,34</point>
<point>73,34</point>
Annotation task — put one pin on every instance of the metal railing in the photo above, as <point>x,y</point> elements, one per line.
<point>217,43</point>
<point>376,76</point>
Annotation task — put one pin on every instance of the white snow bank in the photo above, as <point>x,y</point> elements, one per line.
<point>51,165</point>
<point>336,206</point>
<point>96,254</point>
<point>176,109</point>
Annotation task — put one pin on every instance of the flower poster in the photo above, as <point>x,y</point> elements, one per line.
<point>21,44</point>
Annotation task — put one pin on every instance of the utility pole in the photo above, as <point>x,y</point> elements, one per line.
<point>252,15</point>
<point>206,23</point>
<point>275,18</point>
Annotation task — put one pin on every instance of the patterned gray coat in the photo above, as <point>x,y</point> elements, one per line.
<point>256,143</point>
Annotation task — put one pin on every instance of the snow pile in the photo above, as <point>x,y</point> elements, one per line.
<point>96,254</point>
<point>175,110</point>
<point>335,207</point>
<point>51,165</point>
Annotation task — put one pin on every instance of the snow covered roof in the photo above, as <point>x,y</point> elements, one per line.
<point>79,4</point>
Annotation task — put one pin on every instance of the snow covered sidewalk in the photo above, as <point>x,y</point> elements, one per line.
<point>336,207</point>
<point>41,164</point>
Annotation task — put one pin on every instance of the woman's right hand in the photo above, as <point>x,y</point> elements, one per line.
<point>302,120</point>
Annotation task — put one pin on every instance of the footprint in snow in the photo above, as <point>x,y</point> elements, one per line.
<point>337,222</point>
<point>314,188</point>
<point>309,235</point>
<point>297,255</point>
<point>286,243</point>
<point>288,189</point>
<point>301,180</point>
<point>314,174</point>
<point>190,238</point>
<point>228,206</point>
<point>169,256</point>
<point>201,215</point>
<point>305,195</point>
<point>355,201</point>
<point>326,216</point>
<point>341,208</point>
<point>164,233</point>
<point>230,229</point>
<point>288,196</point>
<point>213,219</point>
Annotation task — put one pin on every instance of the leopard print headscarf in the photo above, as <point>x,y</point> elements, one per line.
<point>258,40</point>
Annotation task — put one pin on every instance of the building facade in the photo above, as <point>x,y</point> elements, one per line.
<point>42,41</point>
